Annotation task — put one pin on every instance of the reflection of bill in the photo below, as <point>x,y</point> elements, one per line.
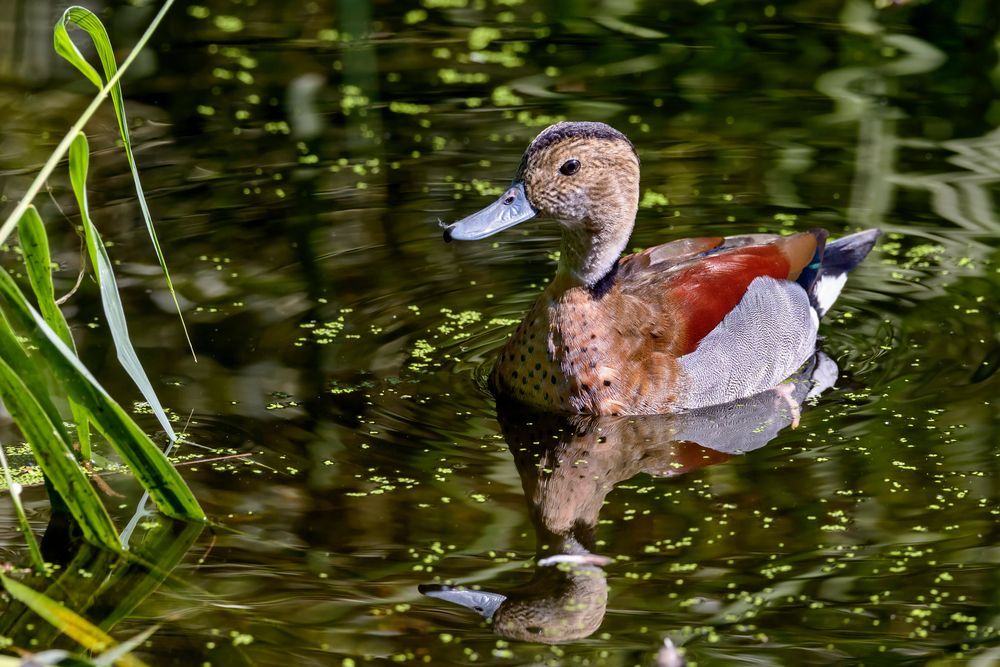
<point>569,463</point>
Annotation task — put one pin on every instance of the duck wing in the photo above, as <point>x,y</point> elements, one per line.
<point>727,310</point>
<point>758,344</point>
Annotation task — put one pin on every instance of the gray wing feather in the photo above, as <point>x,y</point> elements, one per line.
<point>759,344</point>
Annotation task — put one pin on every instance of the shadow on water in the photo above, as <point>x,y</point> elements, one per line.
<point>568,464</point>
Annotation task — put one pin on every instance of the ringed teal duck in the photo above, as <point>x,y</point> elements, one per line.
<point>688,324</point>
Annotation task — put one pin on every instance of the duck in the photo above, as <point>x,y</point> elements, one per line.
<point>688,324</point>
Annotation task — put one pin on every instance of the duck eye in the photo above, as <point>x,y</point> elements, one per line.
<point>570,167</point>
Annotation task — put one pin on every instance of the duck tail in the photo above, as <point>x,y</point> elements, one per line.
<point>826,276</point>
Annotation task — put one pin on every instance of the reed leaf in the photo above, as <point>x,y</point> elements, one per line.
<point>63,146</point>
<point>114,312</point>
<point>151,467</point>
<point>28,373</point>
<point>49,443</point>
<point>75,626</point>
<point>35,244</point>
<point>22,519</point>
<point>86,20</point>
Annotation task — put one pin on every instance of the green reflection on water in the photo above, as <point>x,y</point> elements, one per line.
<point>300,165</point>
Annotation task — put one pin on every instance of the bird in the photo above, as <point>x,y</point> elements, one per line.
<point>688,324</point>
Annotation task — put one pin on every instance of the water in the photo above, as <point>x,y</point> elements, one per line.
<point>297,175</point>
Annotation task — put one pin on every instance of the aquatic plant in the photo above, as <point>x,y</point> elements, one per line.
<point>39,368</point>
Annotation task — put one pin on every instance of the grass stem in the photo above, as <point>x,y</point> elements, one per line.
<point>57,155</point>
<point>22,519</point>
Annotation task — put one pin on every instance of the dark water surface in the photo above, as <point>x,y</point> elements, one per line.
<point>297,156</point>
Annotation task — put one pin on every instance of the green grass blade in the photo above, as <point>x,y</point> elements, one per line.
<point>28,372</point>
<point>35,244</point>
<point>80,629</point>
<point>51,454</point>
<point>65,47</point>
<point>88,21</point>
<point>22,518</point>
<point>60,150</point>
<point>151,467</point>
<point>79,161</point>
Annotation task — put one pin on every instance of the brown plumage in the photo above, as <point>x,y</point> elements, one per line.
<point>612,335</point>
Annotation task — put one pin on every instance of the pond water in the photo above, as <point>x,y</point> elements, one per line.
<point>297,157</point>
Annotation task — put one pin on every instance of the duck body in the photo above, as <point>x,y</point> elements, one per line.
<point>623,348</point>
<point>688,324</point>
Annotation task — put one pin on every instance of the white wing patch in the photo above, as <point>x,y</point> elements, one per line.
<point>827,289</point>
<point>760,343</point>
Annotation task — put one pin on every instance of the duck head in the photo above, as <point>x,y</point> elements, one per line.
<point>583,175</point>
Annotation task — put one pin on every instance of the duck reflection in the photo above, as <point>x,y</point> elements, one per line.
<point>569,463</point>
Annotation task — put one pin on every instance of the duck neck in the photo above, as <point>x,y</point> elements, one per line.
<point>590,250</point>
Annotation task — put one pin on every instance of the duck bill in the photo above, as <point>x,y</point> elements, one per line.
<point>484,603</point>
<point>512,208</point>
